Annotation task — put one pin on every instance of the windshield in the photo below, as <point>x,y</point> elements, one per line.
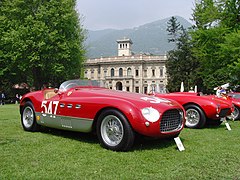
<point>236,96</point>
<point>77,82</point>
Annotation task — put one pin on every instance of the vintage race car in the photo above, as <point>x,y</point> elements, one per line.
<point>200,110</point>
<point>235,98</point>
<point>115,116</point>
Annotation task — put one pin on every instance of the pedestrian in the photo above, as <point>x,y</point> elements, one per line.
<point>3,98</point>
<point>16,99</point>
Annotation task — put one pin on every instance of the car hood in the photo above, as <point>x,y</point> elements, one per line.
<point>139,100</point>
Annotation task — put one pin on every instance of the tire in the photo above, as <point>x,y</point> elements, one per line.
<point>28,118</point>
<point>195,117</point>
<point>114,131</point>
<point>236,113</point>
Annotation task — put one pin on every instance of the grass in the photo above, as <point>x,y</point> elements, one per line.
<point>210,153</point>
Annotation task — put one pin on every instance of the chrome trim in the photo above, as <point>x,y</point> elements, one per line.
<point>65,122</point>
<point>78,106</point>
<point>69,106</point>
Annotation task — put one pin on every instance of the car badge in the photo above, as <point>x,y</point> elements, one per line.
<point>69,93</point>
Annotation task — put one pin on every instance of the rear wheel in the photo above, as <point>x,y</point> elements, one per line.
<point>195,116</point>
<point>28,118</point>
<point>236,113</point>
<point>114,131</point>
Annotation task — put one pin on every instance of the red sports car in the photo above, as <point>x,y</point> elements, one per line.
<point>82,105</point>
<point>235,97</point>
<point>200,109</point>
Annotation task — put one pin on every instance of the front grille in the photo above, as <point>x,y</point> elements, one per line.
<point>171,120</point>
<point>224,112</point>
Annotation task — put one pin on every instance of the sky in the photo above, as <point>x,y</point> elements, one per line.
<point>122,14</point>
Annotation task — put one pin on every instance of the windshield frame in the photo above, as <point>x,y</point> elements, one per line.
<point>79,83</point>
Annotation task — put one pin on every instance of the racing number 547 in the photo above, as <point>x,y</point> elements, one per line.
<point>49,108</point>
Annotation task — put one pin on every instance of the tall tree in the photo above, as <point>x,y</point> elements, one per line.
<point>41,41</point>
<point>214,44</point>
<point>181,66</point>
<point>173,27</point>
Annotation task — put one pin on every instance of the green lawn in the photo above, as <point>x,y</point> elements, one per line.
<point>211,153</point>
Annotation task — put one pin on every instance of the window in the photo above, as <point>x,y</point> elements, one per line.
<point>112,72</point>
<point>145,90</point>
<point>145,73</point>
<point>137,73</point>
<point>99,69</point>
<point>153,72</point>
<point>128,89</point>
<point>92,73</point>
<point>161,72</point>
<point>137,89</point>
<point>120,72</point>
<point>129,72</point>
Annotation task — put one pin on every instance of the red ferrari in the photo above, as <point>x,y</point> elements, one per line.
<point>200,110</point>
<point>116,116</point>
<point>235,97</point>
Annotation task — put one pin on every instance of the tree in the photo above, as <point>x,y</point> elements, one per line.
<point>230,16</point>
<point>215,43</point>
<point>41,41</point>
<point>180,66</point>
<point>173,27</point>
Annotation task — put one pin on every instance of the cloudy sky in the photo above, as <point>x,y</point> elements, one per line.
<point>121,14</point>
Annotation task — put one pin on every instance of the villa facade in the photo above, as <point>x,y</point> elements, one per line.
<point>128,72</point>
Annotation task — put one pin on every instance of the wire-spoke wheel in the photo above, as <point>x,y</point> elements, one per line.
<point>114,131</point>
<point>28,118</point>
<point>236,113</point>
<point>195,117</point>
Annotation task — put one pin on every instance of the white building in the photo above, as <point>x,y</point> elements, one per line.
<point>135,73</point>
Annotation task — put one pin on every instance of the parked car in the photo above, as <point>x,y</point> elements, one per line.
<point>200,110</point>
<point>115,116</point>
<point>235,97</point>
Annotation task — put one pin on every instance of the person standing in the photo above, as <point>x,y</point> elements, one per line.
<point>3,98</point>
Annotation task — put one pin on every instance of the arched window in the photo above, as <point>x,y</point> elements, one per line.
<point>129,72</point>
<point>120,72</point>
<point>161,72</point>
<point>112,72</point>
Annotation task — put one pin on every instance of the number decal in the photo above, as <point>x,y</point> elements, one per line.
<point>49,107</point>
<point>155,100</point>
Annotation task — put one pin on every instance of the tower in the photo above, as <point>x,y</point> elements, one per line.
<point>124,47</point>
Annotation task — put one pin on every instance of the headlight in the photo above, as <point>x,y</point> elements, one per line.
<point>150,114</point>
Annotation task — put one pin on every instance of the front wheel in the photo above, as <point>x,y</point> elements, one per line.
<point>114,131</point>
<point>195,117</point>
<point>28,118</point>
<point>236,113</point>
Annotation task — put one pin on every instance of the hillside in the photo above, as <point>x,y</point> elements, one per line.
<point>148,38</point>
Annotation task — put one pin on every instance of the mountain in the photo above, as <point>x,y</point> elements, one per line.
<point>148,38</point>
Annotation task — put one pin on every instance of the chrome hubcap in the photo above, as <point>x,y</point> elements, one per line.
<point>193,117</point>
<point>235,113</point>
<point>28,117</point>
<point>112,130</point>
